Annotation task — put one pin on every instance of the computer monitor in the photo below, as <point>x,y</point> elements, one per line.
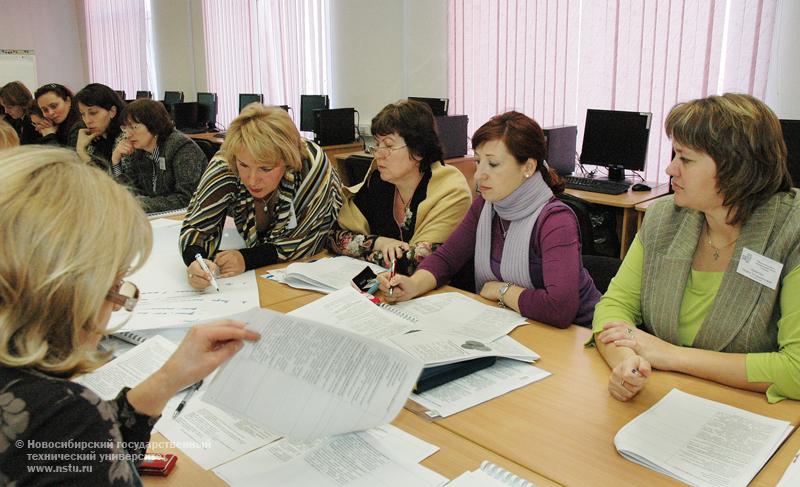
<point>791,135</point>
<point>617,140</point>
<point>121,94</point>
<point>334,126</point>
<point>438,105</point>
<point>309,103</point>
<point>144,94</point>
<point>248,98</point>
<point>171,97</point>
<point>185,115</point>
<point>210,101</point>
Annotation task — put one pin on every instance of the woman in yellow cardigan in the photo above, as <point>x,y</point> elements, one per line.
<point>409,202</point>
<point>710,286</point>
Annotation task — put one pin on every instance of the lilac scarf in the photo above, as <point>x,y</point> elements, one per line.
<point>521,208</point>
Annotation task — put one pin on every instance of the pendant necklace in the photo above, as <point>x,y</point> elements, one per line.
<point>717,250</point>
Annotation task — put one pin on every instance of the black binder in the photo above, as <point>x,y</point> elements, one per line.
<point>441,374</point>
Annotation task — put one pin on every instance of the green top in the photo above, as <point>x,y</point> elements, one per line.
<point>782,368</point>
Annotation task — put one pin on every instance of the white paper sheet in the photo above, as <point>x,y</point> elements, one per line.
<point>352,460</point>
<point>481,386</point>
<point>439,349</point>
<point>791,477</point>
<point>306,380</point>
<point>350,310</point>
<point>323,275</point>
<point>129,369</point>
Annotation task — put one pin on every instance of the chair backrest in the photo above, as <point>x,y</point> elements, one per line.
<point>581,209</point>
<point>602,269</point>
<point>209,148</point>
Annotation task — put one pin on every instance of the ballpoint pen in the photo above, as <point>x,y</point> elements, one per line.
<point>199,258</point>
<point>391,275</point>
<point>186,398</point>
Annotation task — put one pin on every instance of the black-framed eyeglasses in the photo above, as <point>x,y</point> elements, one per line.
<point>382,152</point>
<point>124,294</point>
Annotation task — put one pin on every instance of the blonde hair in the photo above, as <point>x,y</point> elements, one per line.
<point>8,136</point>
<point>70,232</point>
<point>268,134</point>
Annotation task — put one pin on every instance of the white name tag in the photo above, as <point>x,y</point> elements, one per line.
<point>162,163</point>
<point>761,269</point>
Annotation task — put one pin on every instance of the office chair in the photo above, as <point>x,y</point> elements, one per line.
<point>172,97</point>
<point>144,94</point>
<point>209,148</point>
<point>602,269</point>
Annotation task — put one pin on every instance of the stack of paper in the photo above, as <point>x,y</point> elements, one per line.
<point>324,275</point>
<point>701,442</point>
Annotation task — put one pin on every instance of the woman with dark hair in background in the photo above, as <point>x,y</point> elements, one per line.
<point>525,242</point>
<point>62,120</point>
<point>15,98</point>
<point>161,164</point>
<point>407,180</point>
<point>101,111</point>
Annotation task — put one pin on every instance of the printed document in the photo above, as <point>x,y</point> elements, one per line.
<point>305,380</point>
<point>439,349</point>
<point>323,275</point>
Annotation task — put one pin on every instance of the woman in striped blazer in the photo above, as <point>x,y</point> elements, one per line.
<point>280,189</point>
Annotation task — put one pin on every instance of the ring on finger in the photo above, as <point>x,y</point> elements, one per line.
<point>622,383</point>
<point>191,276</point>
<point>629,332</point>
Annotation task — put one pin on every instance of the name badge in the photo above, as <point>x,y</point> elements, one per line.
<point>761,269</point>
<point>162,163</point>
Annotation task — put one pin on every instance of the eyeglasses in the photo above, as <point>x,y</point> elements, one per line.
<point>124,294</point>
<point>382,152</point>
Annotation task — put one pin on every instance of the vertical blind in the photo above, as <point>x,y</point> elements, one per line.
<point>553,59</point>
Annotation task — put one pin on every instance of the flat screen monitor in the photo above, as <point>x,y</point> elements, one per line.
<point>334,126</point>
<point>248,98</point>
<point>617,140</point>
<point>791,135</point>
<point>171,97</point>
<point>144,94</point>
<point>121,94</point>
<point>210,101</point>
<point>309,103</point>
<point>438,105</point>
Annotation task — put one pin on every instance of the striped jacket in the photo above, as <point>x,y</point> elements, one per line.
<point>308,205</point>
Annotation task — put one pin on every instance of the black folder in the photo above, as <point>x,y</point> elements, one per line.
<point>441,374</point>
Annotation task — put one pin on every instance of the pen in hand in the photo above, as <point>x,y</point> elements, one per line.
<point>199,258</point>
<point>186,398</point>
<point>391,275</point>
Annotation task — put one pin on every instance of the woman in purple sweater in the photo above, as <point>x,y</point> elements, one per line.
<point>524,241</point>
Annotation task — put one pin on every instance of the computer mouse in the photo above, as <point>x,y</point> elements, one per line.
<point>641,187</point>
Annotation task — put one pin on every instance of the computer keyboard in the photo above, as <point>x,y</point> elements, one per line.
<point>596,185</point>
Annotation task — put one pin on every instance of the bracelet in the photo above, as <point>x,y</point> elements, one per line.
<point>502,293</point>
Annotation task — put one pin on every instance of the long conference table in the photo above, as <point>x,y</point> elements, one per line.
<point>557,431</point>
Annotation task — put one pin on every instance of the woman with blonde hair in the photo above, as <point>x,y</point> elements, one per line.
<point>61,276</point>
<point>8,136</point>
<point>280,189</point>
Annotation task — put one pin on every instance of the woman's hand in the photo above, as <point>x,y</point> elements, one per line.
<point>628,378</point>
<point>390,248</point>
<point>85,137</point>
<point>198,278</point>
<point>653,349</point>
<point>402,287</point>
<point>123,148</point>
<point>230,262</point>
<point>46,127</point>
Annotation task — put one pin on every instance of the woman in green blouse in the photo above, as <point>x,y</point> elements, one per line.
<point>710,286</point>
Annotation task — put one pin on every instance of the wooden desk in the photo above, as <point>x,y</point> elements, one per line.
<point>563,427</point>
<point>641,208</point>
<point>627,201</point>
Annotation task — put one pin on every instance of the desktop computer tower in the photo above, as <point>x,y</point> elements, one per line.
<point>334,126</point>
<point>453,135</point>
<point>561,148</point>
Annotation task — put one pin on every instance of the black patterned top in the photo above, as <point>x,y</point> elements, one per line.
<point>56,432</point>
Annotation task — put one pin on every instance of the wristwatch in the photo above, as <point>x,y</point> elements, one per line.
<point>502,293</point>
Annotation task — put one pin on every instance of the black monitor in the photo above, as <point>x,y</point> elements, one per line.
<point>171,97</point>
<point>617,140</point>
<point>791,135</point>
<point>309,103</point>
<point>210,101</point>
<point>334,126</point>
<point>190,117</point>
<point>144,94</point>
<point>121,94</point>
<point>438,105</point>
<point>248,98</point>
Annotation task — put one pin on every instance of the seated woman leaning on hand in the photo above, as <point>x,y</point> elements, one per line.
<point>62,121</point>
<point>162,165</point>
<point>15,98</point>
<point>407,180</point>
<point>696,278</point>
<point>279,188</point>
<point>101,111</point>
<point>524,241</point>
<point>60,279</point>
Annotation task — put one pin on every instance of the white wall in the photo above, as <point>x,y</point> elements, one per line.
<point>783,81</point>
<point>52,29</point>
<point>385,50</point>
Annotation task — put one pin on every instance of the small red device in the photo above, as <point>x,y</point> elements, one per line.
<point>157,464</point>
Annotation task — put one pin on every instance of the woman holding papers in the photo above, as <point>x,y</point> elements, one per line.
<point>524,241</point>
<point>712,279</point>
<point>280,189</point>
<point>407,180</point>
<point>62,120</point>
<point>161,164</point>
<point>60,279</point>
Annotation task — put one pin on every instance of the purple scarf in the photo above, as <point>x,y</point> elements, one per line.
<point>521,208</point>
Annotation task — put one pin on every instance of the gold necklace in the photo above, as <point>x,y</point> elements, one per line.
<point>717,250</point>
